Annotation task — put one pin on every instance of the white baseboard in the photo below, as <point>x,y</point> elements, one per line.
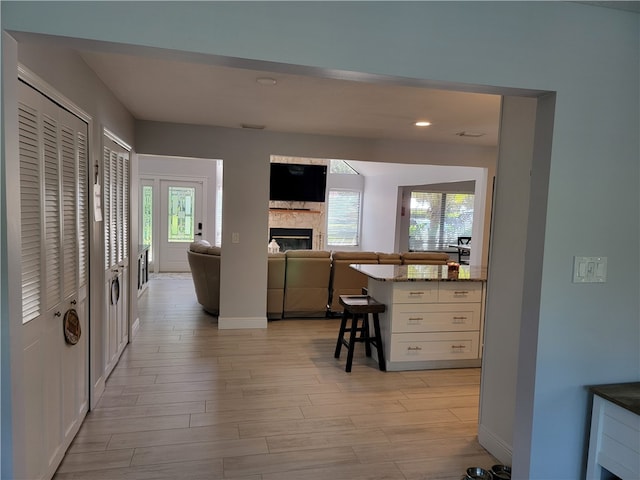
<point>495,446</point>
<point>230,323</point>
<point>98,390</point>
<point>134,328</point>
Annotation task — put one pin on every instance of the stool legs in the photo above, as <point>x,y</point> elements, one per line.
<point>378,344</point>
<point>365,336</point>
<point>343,327</point>
<point>352,341</point>
<point>364,333</point>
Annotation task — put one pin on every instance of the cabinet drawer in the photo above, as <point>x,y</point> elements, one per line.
<point>435,317</point>
<point>411,292</point>
<point>414,347</point>
<point>456,292</point>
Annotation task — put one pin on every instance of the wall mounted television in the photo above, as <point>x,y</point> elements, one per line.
<point>297,182</point>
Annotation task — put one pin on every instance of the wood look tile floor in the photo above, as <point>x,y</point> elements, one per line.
<point>189,401</point>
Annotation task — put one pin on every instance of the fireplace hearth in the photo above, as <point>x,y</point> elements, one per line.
<point>292,238</point>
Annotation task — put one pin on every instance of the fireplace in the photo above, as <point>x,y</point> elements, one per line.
<point>292,238</point>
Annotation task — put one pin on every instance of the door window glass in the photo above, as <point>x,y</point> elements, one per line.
<point>181,221</point>
<point>147,218</point>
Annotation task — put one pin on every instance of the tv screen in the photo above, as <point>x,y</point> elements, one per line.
<point>297,182</point>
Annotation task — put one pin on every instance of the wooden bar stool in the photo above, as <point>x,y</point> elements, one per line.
<point>358,307</point>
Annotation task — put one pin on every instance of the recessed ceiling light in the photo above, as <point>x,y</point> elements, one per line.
<point>266,81</point>
<point>422,124</point>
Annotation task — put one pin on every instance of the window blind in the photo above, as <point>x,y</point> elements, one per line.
<point>437,219</point>
<point>343,217</point>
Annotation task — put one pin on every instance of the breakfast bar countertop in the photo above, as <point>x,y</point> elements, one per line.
<point>625,395</point>
<point>421,273</point>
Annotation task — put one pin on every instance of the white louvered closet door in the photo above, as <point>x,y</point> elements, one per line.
<point>115,185</point>
<point>54,236</point>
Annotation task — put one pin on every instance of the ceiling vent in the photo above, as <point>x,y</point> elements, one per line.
<point>470,134</point>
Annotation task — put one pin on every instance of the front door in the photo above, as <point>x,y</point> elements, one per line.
<point>181,217</point>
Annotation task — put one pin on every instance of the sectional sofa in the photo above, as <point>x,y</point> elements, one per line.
<point>300,283</point>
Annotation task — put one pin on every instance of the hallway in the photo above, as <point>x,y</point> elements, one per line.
<point>190,401</point>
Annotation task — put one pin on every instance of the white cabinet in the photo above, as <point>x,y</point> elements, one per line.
<point>614,443</point>
<point>431,324</point>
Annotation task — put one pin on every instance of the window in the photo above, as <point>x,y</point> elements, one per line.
<point>437,219</point>
<point>343,218</point>
<point>340,166</point>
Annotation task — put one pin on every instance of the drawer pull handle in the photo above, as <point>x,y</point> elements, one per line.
<point>415,320</point>
<point>459,319</point>
<point>414,348</point>
<point>457,347</point>
<point>416,293</point>
<point>461,292</point>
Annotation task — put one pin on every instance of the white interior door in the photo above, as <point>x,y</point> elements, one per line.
<point>181,222</point>
<point>53,214</point>
<point>116,203</point>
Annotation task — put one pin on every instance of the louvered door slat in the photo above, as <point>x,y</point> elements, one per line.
<point>106,210</point>
<point>69,217</point>
<point>52,210</point>
<point>29,212</point>
<point>126,201</point>
<point>120,207</point>
<point>113,237</point>
<point>83,209</point>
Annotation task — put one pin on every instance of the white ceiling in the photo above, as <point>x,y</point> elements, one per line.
<point>192,92</point>
<point>170,86</point>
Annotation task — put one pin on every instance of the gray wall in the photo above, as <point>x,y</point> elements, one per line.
<point>577,334</point>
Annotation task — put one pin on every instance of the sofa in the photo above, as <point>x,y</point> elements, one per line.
<point>300,283</point>
<point>307,277</point>
<point>276,264</point>
<point>344,279</point>
<point>204,262</point>
<point>425,258</point>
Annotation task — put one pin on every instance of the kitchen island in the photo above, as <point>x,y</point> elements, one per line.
<point>433,318</point>
<point>614,442</point>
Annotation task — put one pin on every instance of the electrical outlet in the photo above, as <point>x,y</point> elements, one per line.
<point>235,237</point>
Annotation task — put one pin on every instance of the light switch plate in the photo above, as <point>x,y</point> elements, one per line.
<point>235,237</point>
<point>589,269</point>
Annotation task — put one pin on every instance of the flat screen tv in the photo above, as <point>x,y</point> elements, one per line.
<point>297,182</point>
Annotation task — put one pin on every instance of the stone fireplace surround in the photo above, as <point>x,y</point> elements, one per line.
<point>299,218</point>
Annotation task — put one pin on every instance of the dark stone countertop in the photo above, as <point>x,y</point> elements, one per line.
<point>421,273</point>
<point>625,395</point>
